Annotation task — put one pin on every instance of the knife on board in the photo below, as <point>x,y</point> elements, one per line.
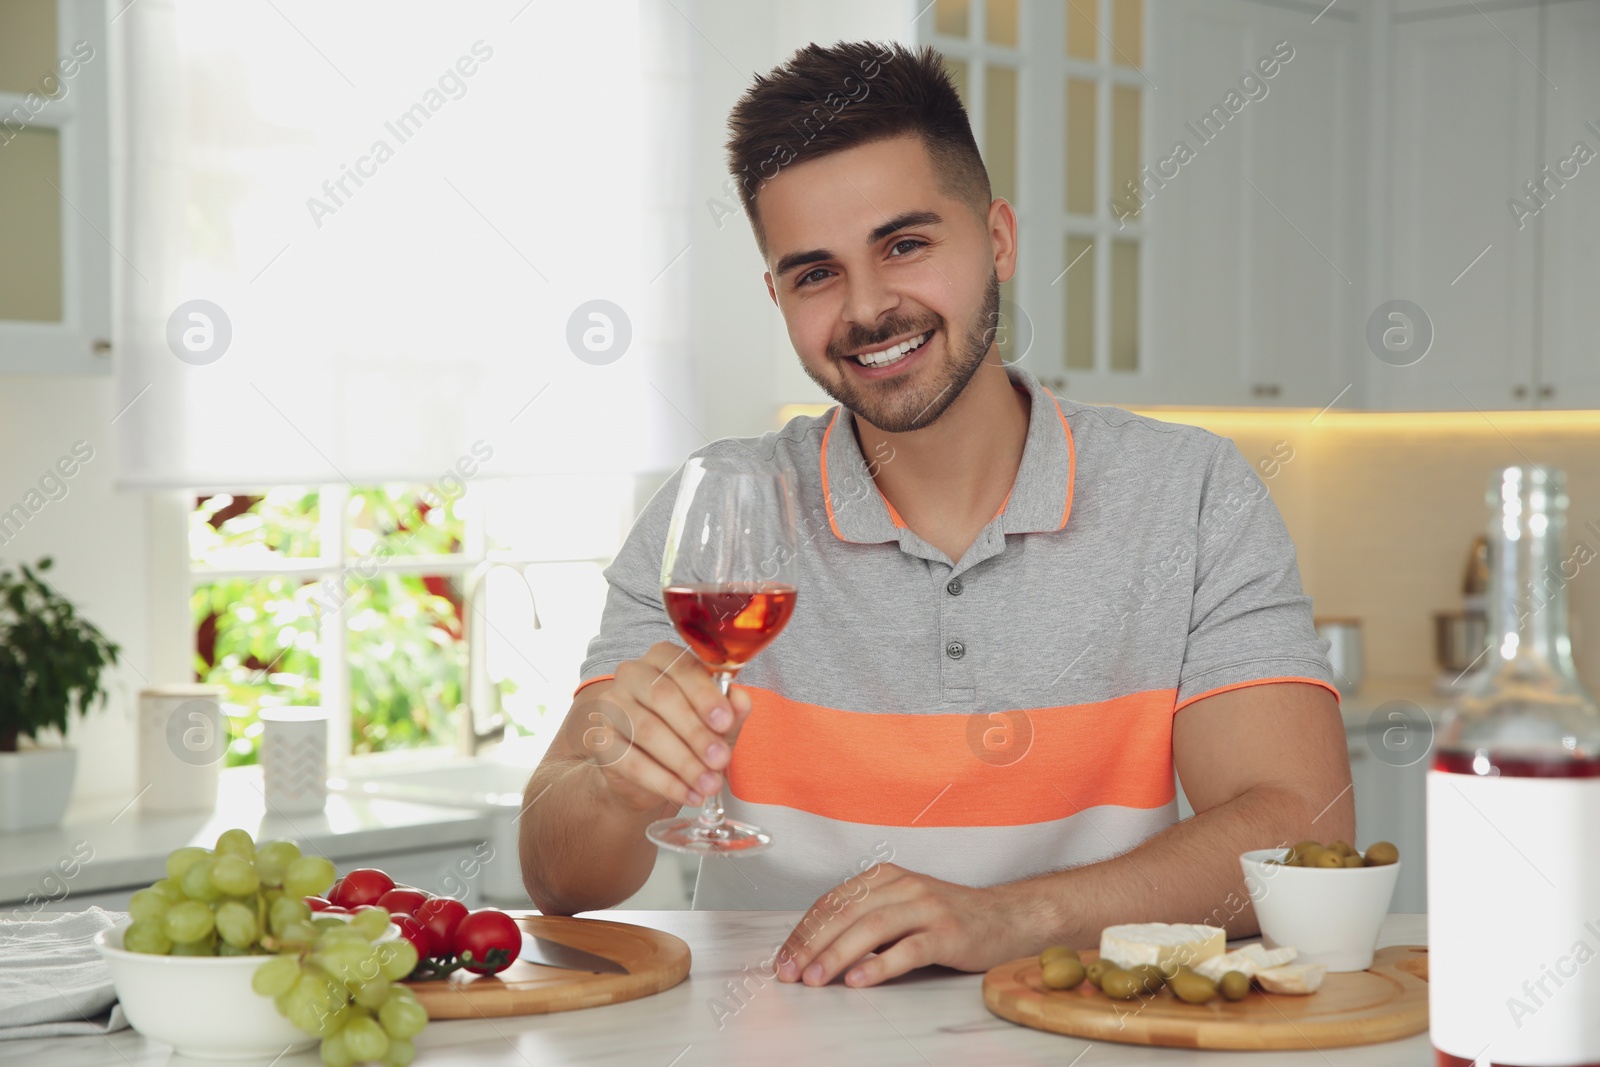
<point>548,953</point>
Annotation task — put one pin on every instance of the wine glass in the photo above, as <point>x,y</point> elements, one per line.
<point>727,580</point>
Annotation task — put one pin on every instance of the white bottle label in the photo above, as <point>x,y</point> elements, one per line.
<point>1514,918</point>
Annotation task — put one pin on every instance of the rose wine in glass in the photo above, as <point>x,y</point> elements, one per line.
<point>728,584</point>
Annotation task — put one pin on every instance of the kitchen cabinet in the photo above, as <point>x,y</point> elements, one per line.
<point>1251,250</point>
<point>1567,357</point>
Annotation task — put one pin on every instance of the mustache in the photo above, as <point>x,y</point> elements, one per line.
<point>856,342</point>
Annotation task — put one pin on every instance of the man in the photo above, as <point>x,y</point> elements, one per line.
<point>1016,615</point>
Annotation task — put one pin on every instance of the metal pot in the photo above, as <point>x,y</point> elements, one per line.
<point>1459,639</point>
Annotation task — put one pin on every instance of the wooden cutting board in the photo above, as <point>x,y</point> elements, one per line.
<point>655,961</point>
<point>1386,1002</point>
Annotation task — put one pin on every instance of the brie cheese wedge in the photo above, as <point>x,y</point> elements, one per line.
<point>1249,961</point>
<point>1292,978</point>
<point>1167,945</point>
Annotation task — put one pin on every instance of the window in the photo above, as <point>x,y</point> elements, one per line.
<point>351,598</point>
<point>1056,96</point>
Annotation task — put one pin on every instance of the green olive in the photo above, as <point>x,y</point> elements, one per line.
<point>1120,984</point>
<point>1150,977</point>
<point>1055,952</point>
<point>1192,988</point>
<point>1234,985</point>
<point>1328,858</point>
<point>1310,856</point>
<point>1096,968</point>
<point>1343,848</point>
<point>1380,853</point>
<point>1354,860</point>
<point>1063,972</point>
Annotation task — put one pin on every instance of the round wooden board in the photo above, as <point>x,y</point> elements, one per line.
<point>655,961</point>
<point>1386,1002</point>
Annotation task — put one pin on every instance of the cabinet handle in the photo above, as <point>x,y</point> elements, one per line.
<point>1520,392</point>
<point>1547,391</point>
<point>1266,390</point>
<point>101,347</point>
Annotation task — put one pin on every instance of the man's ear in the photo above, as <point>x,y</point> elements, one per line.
<point>767,277</point>
<point>1003,238</point>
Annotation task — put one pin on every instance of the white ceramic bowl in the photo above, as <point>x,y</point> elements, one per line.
<point>203,1006</point>
<point>1331,915</point>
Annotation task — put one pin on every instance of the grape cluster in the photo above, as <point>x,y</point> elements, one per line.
<point>328,975</point>
<point>333,982</point>
<point>219,902</point>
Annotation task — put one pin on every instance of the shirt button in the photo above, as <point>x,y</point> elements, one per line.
<point>955,650</point>
<point>954,587</point>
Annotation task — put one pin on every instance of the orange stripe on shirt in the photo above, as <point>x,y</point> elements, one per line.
<point>980,769</point>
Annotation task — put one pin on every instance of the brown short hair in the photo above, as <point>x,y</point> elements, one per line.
<point>824,100</point>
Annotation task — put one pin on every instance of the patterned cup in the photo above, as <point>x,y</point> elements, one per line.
<point>294,759</point>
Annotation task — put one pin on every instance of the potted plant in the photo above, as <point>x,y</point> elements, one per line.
<point>51,660</point>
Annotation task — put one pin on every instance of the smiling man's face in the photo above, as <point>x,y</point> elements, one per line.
<point>867,255</point>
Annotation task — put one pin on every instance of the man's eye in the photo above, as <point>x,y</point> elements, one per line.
<point>912,241</point>
<point>805,279</point>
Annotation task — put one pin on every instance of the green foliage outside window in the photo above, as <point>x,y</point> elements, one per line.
<point>258,637</point>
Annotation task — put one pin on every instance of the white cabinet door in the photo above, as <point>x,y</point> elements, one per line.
<point>1462,141</point>
<point>1568,354</point>
<point>1251,249</point>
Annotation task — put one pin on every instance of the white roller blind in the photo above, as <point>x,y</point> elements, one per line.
<point>397,207</point>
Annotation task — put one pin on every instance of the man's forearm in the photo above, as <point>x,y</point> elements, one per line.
<point>581,848</point>
<point>1187,873</point>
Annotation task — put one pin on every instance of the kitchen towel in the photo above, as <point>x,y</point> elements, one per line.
<point>53,982</point>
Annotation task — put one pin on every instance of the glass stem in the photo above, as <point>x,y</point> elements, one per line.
<point>710,819</point>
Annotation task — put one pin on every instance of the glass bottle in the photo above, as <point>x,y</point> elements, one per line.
<point>1513,800</point>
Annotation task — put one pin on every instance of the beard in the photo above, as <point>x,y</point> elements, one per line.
<point>910,402</point>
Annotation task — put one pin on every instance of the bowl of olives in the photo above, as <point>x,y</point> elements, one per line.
<point>1328,901</point>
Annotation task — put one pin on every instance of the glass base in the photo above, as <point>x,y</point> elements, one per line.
<point>683,834</point>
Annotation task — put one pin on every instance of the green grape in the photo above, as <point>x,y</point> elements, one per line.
<point>225,949</point>
<point>402,1016</point>
<point>277,976</point>
<point>236,843</point>
<point>365,1039</point>
<point>182,859</point>
<point>347,961</point>
<point>401,1052</point>
<point>168,889</point>
<point>298,932</point>
<point>148,936</point>
<point>324,923</point>
<point>236,924</point>
<point>308,876</point>
<point>371,993</point>
<point>273,859</point>
<point>271,894</point>
<point>396,959</point>
<point>374,922</point>
<point>234,876</point>
<point>206,946</point>
<point>189,921</point>
<point>334,1052</point>
<point>196,881</point>
<point>148,904</point>
<point>286,910</point>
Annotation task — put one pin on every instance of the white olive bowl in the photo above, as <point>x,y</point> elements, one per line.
<point>1330,915</point>
<point>202,1006</point>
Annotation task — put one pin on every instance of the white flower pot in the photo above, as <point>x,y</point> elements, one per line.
<point>35,786</point>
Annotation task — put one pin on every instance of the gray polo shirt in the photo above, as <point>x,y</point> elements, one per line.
<point>1009,713</point>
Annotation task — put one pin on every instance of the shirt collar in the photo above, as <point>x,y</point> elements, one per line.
<point>1039,501</point>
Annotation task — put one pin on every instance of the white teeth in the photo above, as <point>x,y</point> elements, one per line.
<point>892,355</point>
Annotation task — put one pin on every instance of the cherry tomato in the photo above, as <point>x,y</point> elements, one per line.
<point>441,916</point>
<point>402,901</point>
<point>334,909</point>
<point>413,931</point>
<point>318,903</point>
<point>485,934</point>
<point>364,885</point>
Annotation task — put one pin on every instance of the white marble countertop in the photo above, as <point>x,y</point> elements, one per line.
<point>930,1017</point>
<point>118,845</point>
